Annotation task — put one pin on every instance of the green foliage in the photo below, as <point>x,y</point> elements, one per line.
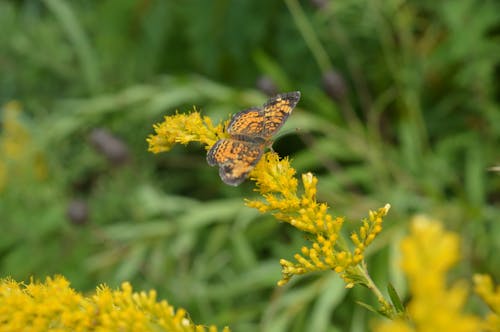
<point>414,121</point>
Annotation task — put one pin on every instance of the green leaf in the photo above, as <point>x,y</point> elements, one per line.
<point>367,306</point>
<point>395,299</point>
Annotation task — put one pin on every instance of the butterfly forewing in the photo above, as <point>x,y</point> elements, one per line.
<point>249,122</point>
<point>277,110</point>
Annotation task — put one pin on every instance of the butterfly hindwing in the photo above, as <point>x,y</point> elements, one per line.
<point>234,158</point>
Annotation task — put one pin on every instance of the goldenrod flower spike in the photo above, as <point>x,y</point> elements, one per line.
<point>368,231</point>
<point>427,254</point>
<point>182,129</point>
<point>54,306</point>
<point>490,294</point>
<point>276,181</point>
<point>20,158</point>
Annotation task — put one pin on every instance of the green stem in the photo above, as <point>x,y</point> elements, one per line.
<point>387,307</point>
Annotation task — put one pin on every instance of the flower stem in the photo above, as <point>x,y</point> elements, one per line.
<point>386,307</point>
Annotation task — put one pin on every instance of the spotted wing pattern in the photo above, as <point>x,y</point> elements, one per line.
<point>276,111</point>
<point>249,123</point>
<point>264,122</point>
<point>235,159</point>
<point>250,131</point>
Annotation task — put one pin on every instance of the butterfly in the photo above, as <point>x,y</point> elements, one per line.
<point>250,133</point>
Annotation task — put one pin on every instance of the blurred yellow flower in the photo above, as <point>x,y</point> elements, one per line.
<point>19,156</point>
<point>15,136</point>
<point>54,306</point>
<point>491,296</point>
<point>427,255</point>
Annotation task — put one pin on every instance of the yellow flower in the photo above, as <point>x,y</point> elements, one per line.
<point>54,306</point>
<point>3,175</point>
<point>15,136</point>
<point>275,180</point>
<point>182,129</point>
<point>491,296</point>
<point>428,253</point>
<point>19,157</point>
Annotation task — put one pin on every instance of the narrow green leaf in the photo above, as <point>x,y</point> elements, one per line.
<point>395,299</point>
<point>367,306</point>
<point>69,21</point>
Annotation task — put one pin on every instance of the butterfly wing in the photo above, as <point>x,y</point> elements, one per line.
<point>264,122</point>
<point>235,159</point>
<point>276,111</point>
<point>250,131</point>
<point>248,123</point>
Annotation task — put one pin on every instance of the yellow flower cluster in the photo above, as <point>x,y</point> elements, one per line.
<point>15,130</point>
<point>182,129</point>
<point>491,296</point>
<point>275,180</point>
<point>427,254</point>
<point>19,158</point>
<point>54,306</point>
<point>367,232</point>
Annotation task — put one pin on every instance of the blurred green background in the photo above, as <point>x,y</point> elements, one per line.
<point>400,104</point>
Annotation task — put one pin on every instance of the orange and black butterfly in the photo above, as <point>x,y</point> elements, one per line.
<point>250,133</point>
